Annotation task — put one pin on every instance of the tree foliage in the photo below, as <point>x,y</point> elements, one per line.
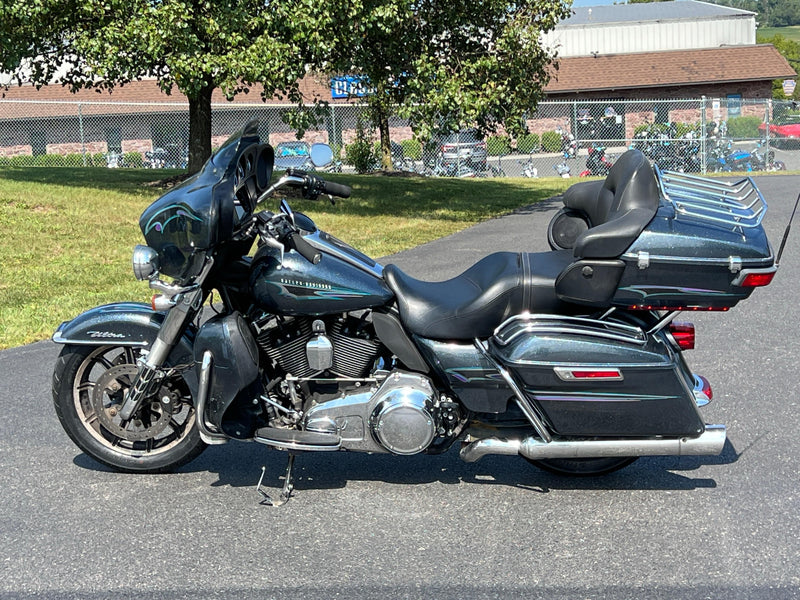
<point>771,13</point>
<point>443,64</point>
<point>791,52</point>
<point>194,45</point>
<point>449,64</point>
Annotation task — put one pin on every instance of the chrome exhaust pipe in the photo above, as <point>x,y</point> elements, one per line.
<point>708,443</point>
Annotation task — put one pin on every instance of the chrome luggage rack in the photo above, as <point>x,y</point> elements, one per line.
<point>735,204</point>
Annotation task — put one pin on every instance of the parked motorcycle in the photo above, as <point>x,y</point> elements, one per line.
<point>571,358</point>
<point>597,165</point>
<point>527,169</point>
<point>757,159</point>
<point>569,145</point>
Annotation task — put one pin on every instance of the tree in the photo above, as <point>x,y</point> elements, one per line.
<point>791,52</point>
<point>194,45</point>
<point>449,64</point>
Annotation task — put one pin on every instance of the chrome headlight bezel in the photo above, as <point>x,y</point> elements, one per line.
<point>145,263</point>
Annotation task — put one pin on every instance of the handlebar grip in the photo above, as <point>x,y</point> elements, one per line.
<point>303,248</point>
<point>337,189</point>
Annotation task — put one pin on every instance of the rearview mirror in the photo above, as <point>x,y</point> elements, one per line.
<point>321,155</point>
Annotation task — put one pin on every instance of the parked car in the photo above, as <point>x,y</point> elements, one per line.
<point>464,147</point>
<point>292,155</point>
<point>786,131</point>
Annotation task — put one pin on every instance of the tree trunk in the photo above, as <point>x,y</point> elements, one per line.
<point>382,121</point>
<point>200,129</point>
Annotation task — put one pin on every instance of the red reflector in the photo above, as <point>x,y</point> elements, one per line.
<point>595,374</point>
<point>706,389</point>
<point>583,373</point>
<point>683,334</point>
<point>757,279</point>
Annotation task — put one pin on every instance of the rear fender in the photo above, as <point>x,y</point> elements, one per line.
<point>128,324</point>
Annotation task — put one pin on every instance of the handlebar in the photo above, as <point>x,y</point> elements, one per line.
<point>337,189</point>
<point>295,240</point>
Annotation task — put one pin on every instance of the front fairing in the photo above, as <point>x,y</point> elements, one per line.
<point>193,218</point>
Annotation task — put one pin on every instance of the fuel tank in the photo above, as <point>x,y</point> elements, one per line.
<point>342,281</point>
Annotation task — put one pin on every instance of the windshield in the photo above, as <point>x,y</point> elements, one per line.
<point>210,206</point>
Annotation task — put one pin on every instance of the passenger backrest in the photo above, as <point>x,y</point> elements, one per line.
<point>623,206</point>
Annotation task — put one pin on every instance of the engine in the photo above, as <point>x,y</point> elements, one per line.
<point>402,415</point>
<point>345,346</point>
<point>332,372</point>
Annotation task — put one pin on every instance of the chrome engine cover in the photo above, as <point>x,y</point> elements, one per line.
<point>400,416</point>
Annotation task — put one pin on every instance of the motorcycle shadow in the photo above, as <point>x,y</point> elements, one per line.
<point>238,465</point>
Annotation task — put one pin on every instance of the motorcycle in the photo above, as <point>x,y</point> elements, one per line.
<point>527,169</point>
<point>571,359</point>
<point>596,162</point>
<point>757,159</point>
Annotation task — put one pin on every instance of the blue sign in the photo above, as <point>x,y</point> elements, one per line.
<point>352,86</point>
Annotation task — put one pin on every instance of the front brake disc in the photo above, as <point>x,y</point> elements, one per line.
<point>108,396</point>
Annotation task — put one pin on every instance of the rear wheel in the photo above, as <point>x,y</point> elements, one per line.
<point>89,385</point>
<point>583,467</point>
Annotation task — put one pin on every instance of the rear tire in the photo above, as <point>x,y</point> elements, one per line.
<point>583,467</point>
<point>89,383</point>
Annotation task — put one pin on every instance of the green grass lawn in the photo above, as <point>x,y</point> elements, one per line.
<point>790,33</point>
<point>66,234</point>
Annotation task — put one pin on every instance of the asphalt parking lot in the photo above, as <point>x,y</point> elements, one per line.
<point>363,526</point>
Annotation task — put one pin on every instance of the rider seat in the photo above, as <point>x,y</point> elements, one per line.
<point>474,303</point>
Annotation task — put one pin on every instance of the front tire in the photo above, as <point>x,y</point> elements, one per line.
<point>89,384</point>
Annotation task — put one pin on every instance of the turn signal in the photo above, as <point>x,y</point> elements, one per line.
<point>160,303</point>
<point>683,334</point>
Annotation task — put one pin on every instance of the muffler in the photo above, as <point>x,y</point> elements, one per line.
<point>709,443</point>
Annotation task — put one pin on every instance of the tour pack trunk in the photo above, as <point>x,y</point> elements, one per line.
<point>697,252</point>
<point>593,378</point>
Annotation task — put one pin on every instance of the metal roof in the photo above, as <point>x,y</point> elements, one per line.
<point>652,11</point>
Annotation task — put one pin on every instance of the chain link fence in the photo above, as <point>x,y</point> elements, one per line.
<point>565,138</point>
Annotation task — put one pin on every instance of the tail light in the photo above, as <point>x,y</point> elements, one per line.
<point>683,333</point>
<point>755,278</point>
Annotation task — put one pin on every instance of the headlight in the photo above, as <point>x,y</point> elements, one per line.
<point>145,262</point>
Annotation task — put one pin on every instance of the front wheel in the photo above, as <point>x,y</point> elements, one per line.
<point>583,467</point>
<point>89,385</point>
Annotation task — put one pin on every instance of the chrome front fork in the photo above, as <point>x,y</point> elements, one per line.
<point>150,374</point>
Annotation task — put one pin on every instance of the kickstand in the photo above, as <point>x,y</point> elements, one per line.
<point>288,485</point>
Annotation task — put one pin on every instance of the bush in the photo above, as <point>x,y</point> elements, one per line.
<point>76,160</point>
<point>133,160</point>
<point>498,145</point>
<point>50,160</point>
<point>744,127</point>
<point>528,143</point>
<point>362,153</point>
<point>412,149</point>
<point>22,160</point>
<point>99,159</point>
<point>551,141</point>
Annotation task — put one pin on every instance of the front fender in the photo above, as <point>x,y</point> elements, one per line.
<point>127,324</point>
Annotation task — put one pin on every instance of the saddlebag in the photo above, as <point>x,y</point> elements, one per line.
<point>599,378</point>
